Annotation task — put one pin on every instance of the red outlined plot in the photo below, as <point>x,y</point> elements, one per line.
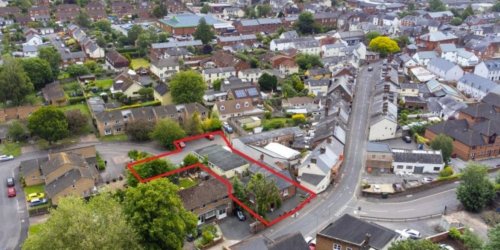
<point>226,182</point>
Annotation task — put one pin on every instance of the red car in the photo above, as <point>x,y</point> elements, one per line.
<point>182,144</point>
<point>210,137</point>
<point>11,191</point>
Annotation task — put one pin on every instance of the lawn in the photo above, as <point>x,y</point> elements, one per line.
<point>139,62</point>
<point>62,75</point>
<point>104,83</point>
<point>186,183</point>
<point>112,138</point>
<point>10,148</point>
<point>40,188</point>
<point>81,106</point>
<point>34,229</point>
<point>276,123</point>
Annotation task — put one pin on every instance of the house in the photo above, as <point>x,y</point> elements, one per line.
<point>250,75</point>
<point>317,87</point>
<point>30,170</point>
<point>423,57</point>
<point>460,56</point>
<point>67,12</point>
<point>208,199</point>
<point>165,68</point>
<point>476,131</point>
<point>122,9</point>
<point>378,158</point>
<point>320,167</point>
<point>318,73</point>
<point>409,89</point>
<point>36,11</point>
<point>283,136</point>
<point>244,92</point>
<point>96,11</point>
<point>235,108</point>
<point>489,69</point>
<point>305,45</point>
<point>384,118</point>
<point>476,86</point>
<point>222,59</point>
<point>432,40</point>
<point>185,23</point>
<point>30,51</point>
<point>441,16</point>
<point>445,69</point>
<point>34,40</point>
<point>115,61</point>
<point>297,102</point>
<point>222,161</point>
<point>417,161</point>
<point>110,123</point>
<point>350,37</point>
<point>249,40</point>
<point>161,94</point>
<point>294,241</point>
<point>253,26</point>
<point>17,113</point>
<point>285,64</point>
<point>349,232</point>
<point>286,188</point>
<point>211,75</point>
<point>233,12</point>
<point>68,174</point>
<point>126,83</point>
<point>53,94</point>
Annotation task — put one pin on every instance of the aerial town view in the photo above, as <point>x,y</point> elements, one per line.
<point>250,124</point>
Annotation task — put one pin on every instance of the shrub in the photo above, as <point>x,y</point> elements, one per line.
<point>447,171</point>
<point>76,100</point>
<point>299,118</point>
<point>455,234</point>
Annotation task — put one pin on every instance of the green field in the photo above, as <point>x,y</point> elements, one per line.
<point>81,106</point>
<point>104,83</point>
<point>10,148</point>
<point>139,62</point>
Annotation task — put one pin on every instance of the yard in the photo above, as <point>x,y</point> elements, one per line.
<point>186,183</point>
<point>138,63</point>
<point>80,106</point>
<point>104,83</point>
<point>40,188</point>
<point>10,148</point>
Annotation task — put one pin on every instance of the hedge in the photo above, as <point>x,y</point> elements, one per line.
<point>76,100</point>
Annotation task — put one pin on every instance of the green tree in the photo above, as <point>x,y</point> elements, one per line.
<point>162,37</point>
<point>38,70</point>
<point>494,238</point>
<point>76,224</point>
<point>139,130</point>
<point>471,240</point>
<point>16,131</point>
<point>194,125</point>
<point>263,10</point>
<point>187,87</point>
<point>371,35</point>
<point>103,25</point>
<point>238,189</point>
<point>160,10</point>
<point>205,9</point>
<point>307,61</point>
<point>297,83</point>
<point>265,193</point>
<point>157,213</point>
<point>217,84</point>
<point>190,159</point>
<point>83,19</point>
<point>475,190</point>
<point>52,56</point>
<point>403,40</point>
<point>48,123</point>
<point>77,122</point>
<point>496,7</point>
<point>15,84</point>
<point>414,245</point>
<point>146,93</point>
<point>203,32</point>
<point>134,33</point>
<point>447,171</point>
<point>144,42</point>
<point>445,144</point>
<point>166,132</point>
<point>384,45</point>
<point>306,24</point>
<point>24,5</point>
<point>456,21</point>
<point>149,169</point>
<point>268,82</point>
<point>436,5</point>
<point>213,123</point>
<point>288,90</point>
<point>75,70</point>
<point>467,12</point>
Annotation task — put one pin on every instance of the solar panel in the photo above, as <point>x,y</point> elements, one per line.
<point>253,92</point>
<point>240,93</point>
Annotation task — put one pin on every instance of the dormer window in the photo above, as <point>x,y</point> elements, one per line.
<point>222,107</point>
<point>237,106</point>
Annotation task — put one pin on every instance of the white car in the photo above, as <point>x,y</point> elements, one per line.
<point>427,179</point>
<point>446,247</point>
<point>411,233</point>
<point>6,157</point>
<point>376,188</point>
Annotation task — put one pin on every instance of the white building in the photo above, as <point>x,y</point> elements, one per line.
<point>489,69</point>
<point>250,75</point>
<point>476,86</point>
<point>460,56</point>
<point>165,68</point>
<point>306,45</point>
<point>423,57</point>
<point>210,75</point>
<point>417,161</point>
<point>384,118</point>
<point>445,69</point>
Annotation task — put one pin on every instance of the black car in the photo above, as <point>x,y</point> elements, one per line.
<point>10,182</point>
<point>407,139</point>
<point>370,68</point>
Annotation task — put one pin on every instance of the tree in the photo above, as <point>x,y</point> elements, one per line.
<point>436,5</point>
<point>134,33</point>
<point>447,171</point>
<point>16,131</point>
<point>162,37</point>
<point>77,122</point>
<point>75,70</point>
<point>52,56</point>
<point>83,19</point>
<point>213,123</point>
<point>166,132</point>
<point>307,61</point>
<point>48,123</point>
<point>103,25</point>
<point>149,169</point>
<point>203,32</point>
<point>371,35</point>
<point>265,192</point>
<point>205,9</point>
<point>38,71</point>
<point>384,45</point>
<point>24,5</point>
<point>143,42</point>
<point>297,83</point>
<point>190,159</point>
<point>15,84</point>
<point>139,130</point>
<point>216,84</point>
<point>494,238</point>
<point>445,144</point>
<point>467,12</point>
<point>299,118</point>
<point>238,189</point>
<point>403,40</point>
<point>456,21</point>
<point>413,245</point>
<point>475,190</point>
<point>187,87</point>
<point>263,10</point>
<point>76,224</point>
<point>160,10</point>
<point>306,24</point>
<point>194,125</point>
<point>158,214</point>
<point>146,93</point>
<point>268,82</point>
<point>496,7</point>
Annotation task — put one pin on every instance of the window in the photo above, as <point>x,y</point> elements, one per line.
<point>222,107</point>
<point>247,104</point>
<point>399,167</point>
<point>409,167</point>
<point>437,168</point>
<point>285,192</point>
<point>337,247</point>
<point>222,211</point>
<point>237,106</point>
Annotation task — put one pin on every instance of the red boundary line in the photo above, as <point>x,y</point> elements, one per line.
<point>225,181</point>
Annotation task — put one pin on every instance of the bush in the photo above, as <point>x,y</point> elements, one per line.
<point>101,165</point>
<point>455,234</point>
<point>76,100</point>
<point>451,177</point>
<point>447,171</point>
<point>299,118</point>
<point>491,218</point>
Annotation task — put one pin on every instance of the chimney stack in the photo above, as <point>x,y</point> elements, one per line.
<point>367,239</point>
<point>322,150</point>
<point>329,140</point>
<point>261,157</point>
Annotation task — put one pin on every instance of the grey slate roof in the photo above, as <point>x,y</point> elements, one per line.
<point>289,242</point>
<point>378,147</point>
<point>415,156</point>
<point>176,44</point>
<point>28,166</point>
<point>478,82</point>
<point>493,64</point>
<point>351,229</point>
<point>203,194</point>
<point>271,134</point>
<point>313,179</point>
<point>59,159</point>
<point>221,158</point>
<point>441,64</point>
<point>492,99</point>
<point>66,180</point>
<point>161,88</point>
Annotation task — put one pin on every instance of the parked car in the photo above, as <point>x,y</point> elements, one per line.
<point>376,188</point>
<point>446,247</point>
<point>311,242</point>
<point>427,179</point>
<point>10,182</point>
<point>407,139</point>
<point>412,233</point>
<point>227,127</point>
<point>37,202</point>
<point>11,191</point>
<point>241,216</point>
<point>210,137</point>
<point>6,157</point>
<point>182,144</point>
<point>370,68</point>
<point>34,196</point>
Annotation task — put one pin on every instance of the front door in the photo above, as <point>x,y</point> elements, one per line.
<point>418,170</point>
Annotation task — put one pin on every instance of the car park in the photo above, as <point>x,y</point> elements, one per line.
<point>34,196</point>
<point>10,182</point>
<point>11,191</point>
<point>37,202</point>
<point>6,157</point>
